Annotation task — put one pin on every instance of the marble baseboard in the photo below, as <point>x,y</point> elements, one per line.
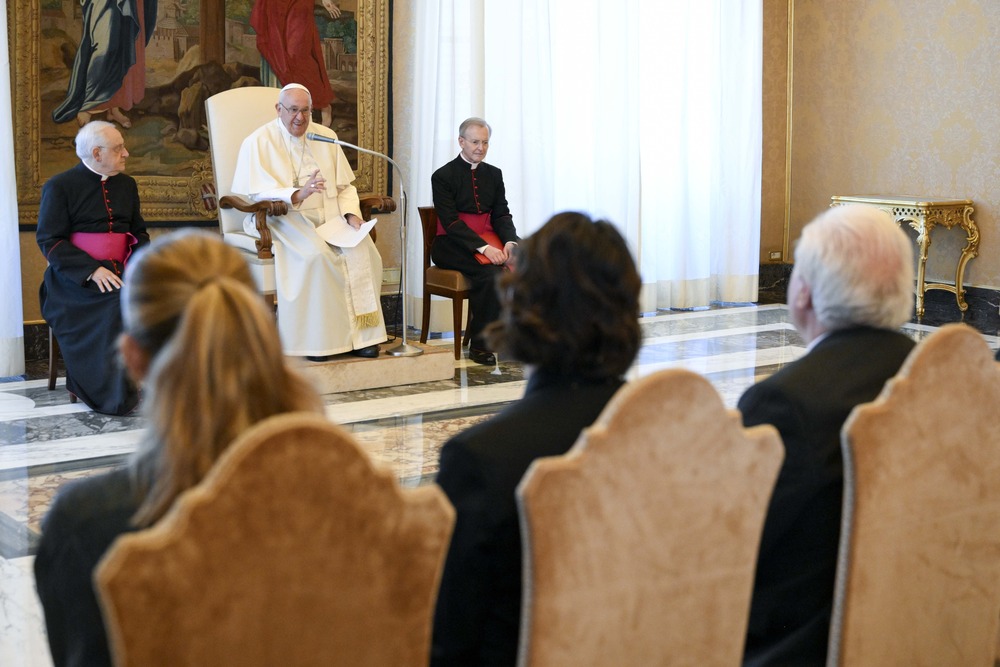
<point>36,341</point>
<point>772,282</point>
<point>983,314</point>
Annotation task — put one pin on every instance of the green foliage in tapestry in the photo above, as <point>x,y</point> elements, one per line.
<point>342,28</point>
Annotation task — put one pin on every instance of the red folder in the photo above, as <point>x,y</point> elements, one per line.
<point>493,240</point>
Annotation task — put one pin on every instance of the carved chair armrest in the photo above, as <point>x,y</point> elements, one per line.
<point>371,204</point>
<point>261,210</point>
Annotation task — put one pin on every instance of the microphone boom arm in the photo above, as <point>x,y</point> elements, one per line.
<point>403,349</point>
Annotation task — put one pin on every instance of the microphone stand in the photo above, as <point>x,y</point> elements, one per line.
<point>404,349</point>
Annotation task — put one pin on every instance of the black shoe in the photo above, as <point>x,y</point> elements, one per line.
<point>326,357</point>
<point>369,352</point>
<point>484,357</point>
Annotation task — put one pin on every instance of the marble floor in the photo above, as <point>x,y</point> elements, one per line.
<point>46,441</point>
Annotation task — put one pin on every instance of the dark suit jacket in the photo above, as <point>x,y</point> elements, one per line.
<point>808,401</point>
<point>84,521</point>
<point>478,611</point>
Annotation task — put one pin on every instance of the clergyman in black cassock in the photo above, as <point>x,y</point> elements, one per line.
<point>470,200</point>
<point>87,206</point>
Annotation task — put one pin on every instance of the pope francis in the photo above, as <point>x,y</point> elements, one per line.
<point>328,297</point>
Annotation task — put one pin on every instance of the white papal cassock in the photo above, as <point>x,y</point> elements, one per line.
<point>328,297</point>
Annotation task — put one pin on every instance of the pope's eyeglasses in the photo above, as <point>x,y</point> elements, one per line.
<point>295,111</point>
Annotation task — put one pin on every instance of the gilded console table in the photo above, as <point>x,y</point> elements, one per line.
<point>923,215</point>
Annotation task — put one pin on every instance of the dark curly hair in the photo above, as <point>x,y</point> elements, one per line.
<point>571,306</point>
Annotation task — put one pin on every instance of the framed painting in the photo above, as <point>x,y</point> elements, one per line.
<point>176,54</point>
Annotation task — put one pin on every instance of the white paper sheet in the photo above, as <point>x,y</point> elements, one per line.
<point>337,232</point>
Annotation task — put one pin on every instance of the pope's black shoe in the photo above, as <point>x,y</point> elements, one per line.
<point>369,352</point>
<point>484,357</point>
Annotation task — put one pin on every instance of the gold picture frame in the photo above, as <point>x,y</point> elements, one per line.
<point>178,192</point>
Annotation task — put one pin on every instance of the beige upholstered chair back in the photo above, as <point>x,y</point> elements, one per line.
<point>232,115</point>
<point>295,550</point>
<point>919,570</point>
<point>640,544</point>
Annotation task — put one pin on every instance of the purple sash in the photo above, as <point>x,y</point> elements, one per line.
<point>103,246</point>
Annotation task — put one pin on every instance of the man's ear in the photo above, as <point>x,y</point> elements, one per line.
<point>803,297</point>
<point>135,358</point>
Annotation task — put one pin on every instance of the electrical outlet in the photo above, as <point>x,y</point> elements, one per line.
<point>390,275</point>
<point>774,255</point>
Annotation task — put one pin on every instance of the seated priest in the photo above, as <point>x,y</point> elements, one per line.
<point>476,232</point>
<point>328,296</point>
<point>89,223</point>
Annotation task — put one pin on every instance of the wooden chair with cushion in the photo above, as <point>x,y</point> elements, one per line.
<point>231,116</point>
<point>442,282</point>
<point>640,544</point>
<point>294,550</point>
<point>918,578</point>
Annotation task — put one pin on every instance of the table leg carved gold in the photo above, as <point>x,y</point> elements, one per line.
<point>923,215</point>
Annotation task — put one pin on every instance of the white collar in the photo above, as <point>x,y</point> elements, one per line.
<point>816,341</point>
<point>288,135</point>
<point>104,177</point>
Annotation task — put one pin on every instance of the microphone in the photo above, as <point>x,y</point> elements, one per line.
<point>328,140</point>
<point>403,349</point>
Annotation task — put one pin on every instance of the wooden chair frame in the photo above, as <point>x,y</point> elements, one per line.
<point>437,282</point>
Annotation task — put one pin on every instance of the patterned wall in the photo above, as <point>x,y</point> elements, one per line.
<point>899,97</point>
<point>775,119</point>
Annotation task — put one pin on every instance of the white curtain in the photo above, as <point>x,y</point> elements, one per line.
<point>700,148</point>
<point>11,313</point>
<point>645,112</point>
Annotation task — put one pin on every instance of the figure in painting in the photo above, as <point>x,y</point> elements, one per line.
<point>288,39</point>
<point>109,70</point>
